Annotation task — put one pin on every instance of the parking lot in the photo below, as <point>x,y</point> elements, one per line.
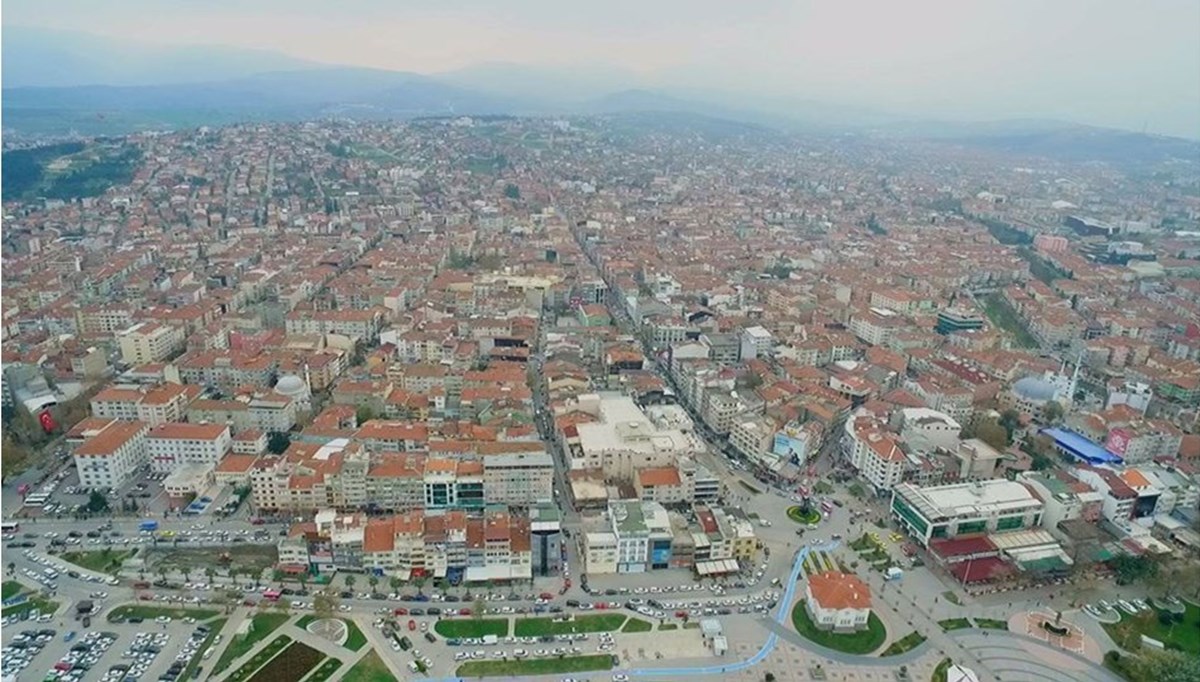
<point>112,653</point>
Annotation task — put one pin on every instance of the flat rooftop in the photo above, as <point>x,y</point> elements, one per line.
<point>968,499</point>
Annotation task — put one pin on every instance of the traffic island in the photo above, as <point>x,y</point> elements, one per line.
<point>861,642</point>
<point>806,517</point>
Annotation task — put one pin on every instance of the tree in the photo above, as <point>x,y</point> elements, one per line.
<point>1163,666</point>
<point>278,442</point>
<point>210,573</point>
<point>512,191</point>
<point>1130,569</point>
<point>1052,412</point>
<point>324,604</point>
<point>992,433</point>
<point>373,581</point>
<point>350,582</point>
<point>1010,419</point>
<point>364,414</point>
<point>97,502</point>
<point>395,583</point>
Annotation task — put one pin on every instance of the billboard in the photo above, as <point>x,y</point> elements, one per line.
<point>790,443</point>
<point>1118,442</point>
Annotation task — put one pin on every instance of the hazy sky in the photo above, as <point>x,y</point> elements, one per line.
<point>1124,63</point>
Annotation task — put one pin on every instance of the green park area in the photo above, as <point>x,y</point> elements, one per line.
<point>861,642</point>
<point>536,627</point>
<point>474,627</point>
<point>105,560</point>
<point>906,643</point>
<point>370,669</point>
<point>261,625</point>
<point>803,516</point>
<point>1176,631</point>
<point>214,630</point>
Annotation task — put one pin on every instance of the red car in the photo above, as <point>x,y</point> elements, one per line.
<point>681,614</point>
<point>248,602</point>
<point>600,605</point>
<point>412,625</point>
<point>546,595</point>
<point>464,612</point>
<point>400,611</point>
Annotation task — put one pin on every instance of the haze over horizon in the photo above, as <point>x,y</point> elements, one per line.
<point>1103,62</point>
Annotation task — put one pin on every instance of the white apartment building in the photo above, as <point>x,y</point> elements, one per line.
<point>176,444</point>
<point>873,451</point>
<point>752,436</point>
<point>151,404</point>
<point>109,458</point>
<point>148,342</point>
<point>520,479</point>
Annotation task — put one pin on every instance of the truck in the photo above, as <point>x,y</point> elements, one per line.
<point>150,525</point>
<point>894,573</point>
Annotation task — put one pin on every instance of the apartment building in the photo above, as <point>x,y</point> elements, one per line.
<point>638,539</point>
<point>363,325</point>
<point>176,444</point>
<point>148,342</point>
<point>108,459</point>
<point>518,479</point>
<point>873,451</point>
<point>158,404</point>
<point>492,545</point>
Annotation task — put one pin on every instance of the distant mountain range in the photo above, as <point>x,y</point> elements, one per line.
<point>56,82</point>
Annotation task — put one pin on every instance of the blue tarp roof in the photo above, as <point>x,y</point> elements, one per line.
<point>1081,447</point>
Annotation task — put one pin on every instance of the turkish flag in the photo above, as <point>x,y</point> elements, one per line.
<point>47,421</point>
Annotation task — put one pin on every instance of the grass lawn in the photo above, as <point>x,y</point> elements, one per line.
<point>100,561</point>
<point>355,639</point>
<point>636,625</point>
<point>668,626</point>
<point>822,488</point>
<point>939,673</point>
<point>991,624</point>
<point>122,613</point>
<point>794,514</point>
<point>536,627</point>
<point>327,669</point>
<point>31,604</point>
<point>472,627</point>
<point>863,642</point>
<point>541,666</point>
<point>370,669</point>
<point>11,588</point>
<point>259,659</point>
<point>261,625</point>
<point>954,624</point>
<point>198,657</point>
<point>906,643</point>
<point>305,620</point>
<point>1186,634</point>
<point>952,598</point>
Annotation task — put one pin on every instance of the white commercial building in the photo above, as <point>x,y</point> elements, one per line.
<point>947,511</point>
<point>623,439</point>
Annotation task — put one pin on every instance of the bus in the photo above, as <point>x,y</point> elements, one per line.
<point>8,527</point>
<point>36,499</point>
<point>826,507</point>
<point>271,595</point>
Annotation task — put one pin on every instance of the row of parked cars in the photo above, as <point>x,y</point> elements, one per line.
<point>79,660</point>
<point>23,649</point>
